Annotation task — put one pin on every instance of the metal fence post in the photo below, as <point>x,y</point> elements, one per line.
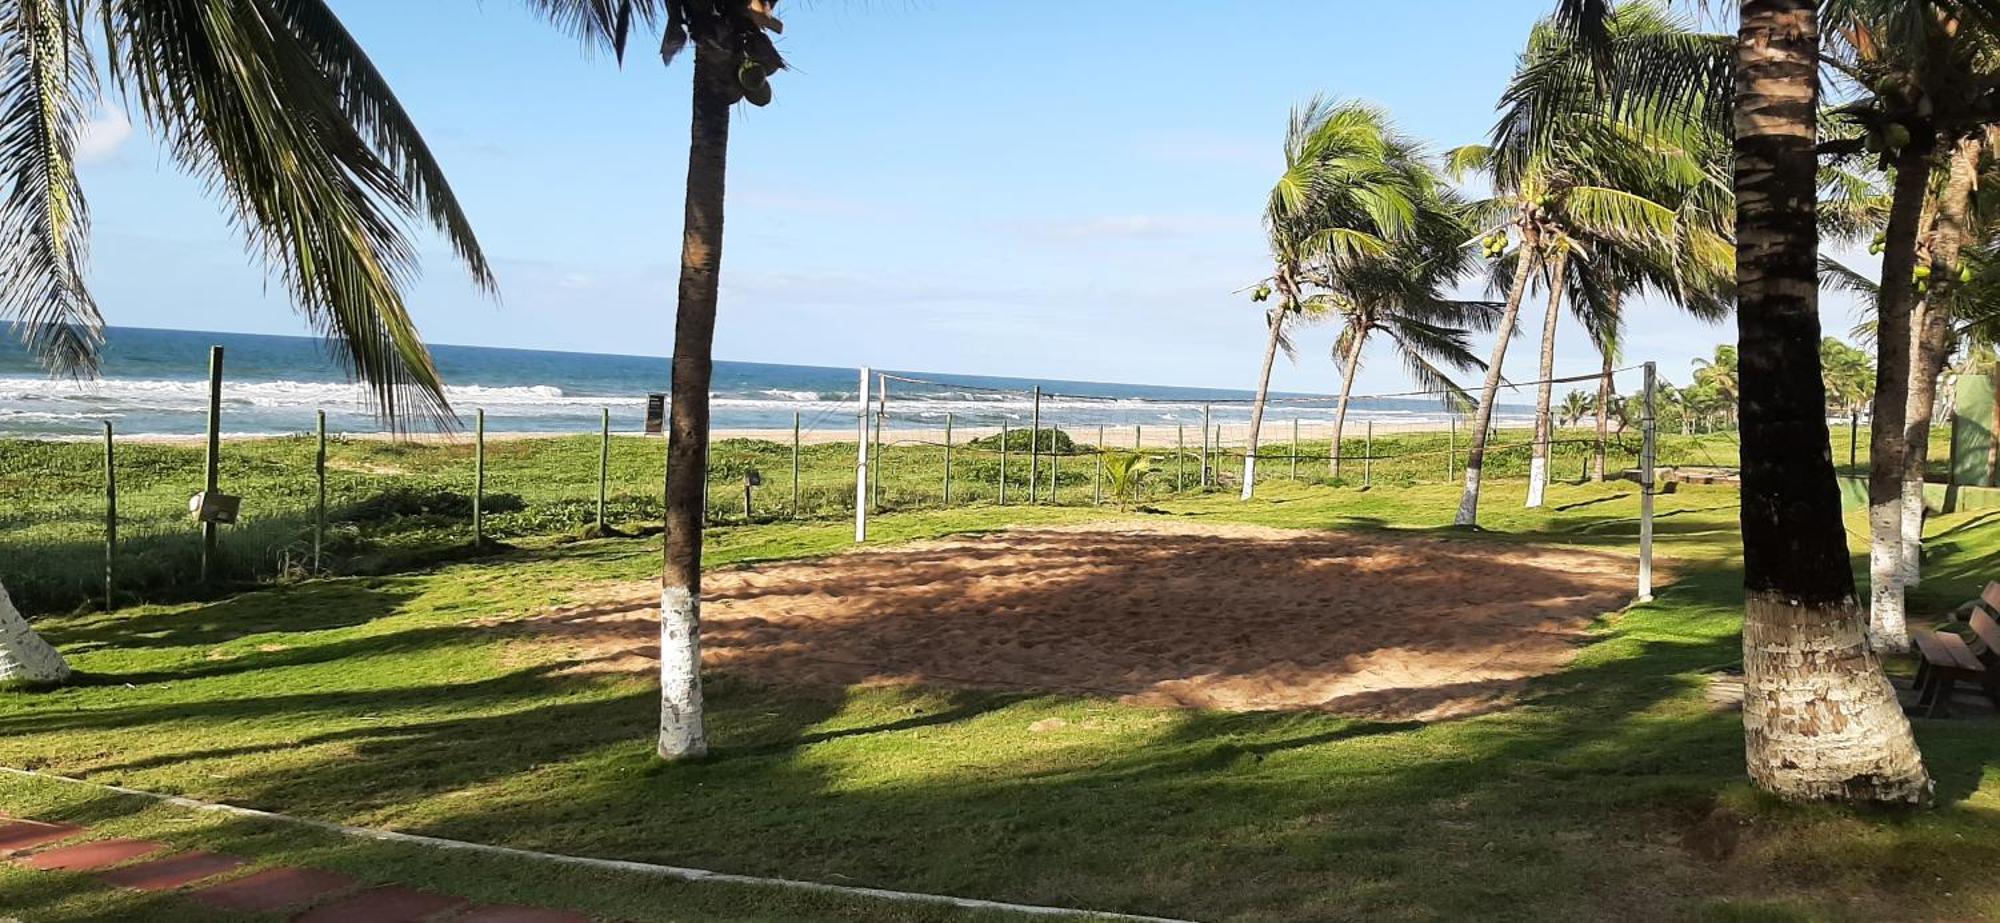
<point>1646,455</point>
<point>603,469</point>
<point>319,507</point>
<point>1180,457</point>
<point>1003,463</point>
<point>795,464</point>
<point>212,476</point>
<point>1451,447</point>
<point>947,458</point>
<point>110,516</point>
<point>1035,450</point>
<point>1295,448</point>
<point>1206,409</point>
<point>1055,461</point>
<point>1097,485</point>
<point>861,463</point>
<point>1368,457</point>
<point>479,477</point>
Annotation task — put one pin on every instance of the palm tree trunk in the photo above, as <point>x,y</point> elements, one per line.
<point>1603,407</point>
<point>1276,319</point>
<point>1931,344</point>
<point>1820,719</point>
<point>682,731</point>
<point>1351,362</point>
<point>1886,622</point>
<point>26,659</point>
<point>1475,453</point>
<point>1538,463</point>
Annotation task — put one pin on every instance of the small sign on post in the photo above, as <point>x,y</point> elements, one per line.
<point>656,414</point>
<point>214,507</point>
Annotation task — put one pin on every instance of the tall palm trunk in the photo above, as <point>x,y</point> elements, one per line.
<point>1475,453</point>
<point>1276,318</point>
<point>1886,623</point>
<point>1820,719</point>
<point>682,731</point>
<point>1538,463</point>
<point>26,659</point>
<point>1350,363</point>
<point>1603,415</point>
<point>1931,344</point>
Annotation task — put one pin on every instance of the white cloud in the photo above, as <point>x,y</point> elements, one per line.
<point>104,134</point>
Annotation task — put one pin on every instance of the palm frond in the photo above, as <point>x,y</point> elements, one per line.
<point>244,103</point>
<point>45,75</point>
<point>371,106</point>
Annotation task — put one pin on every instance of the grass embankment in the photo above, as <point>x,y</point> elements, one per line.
<point>391,506</point>
<point>1615,791</point>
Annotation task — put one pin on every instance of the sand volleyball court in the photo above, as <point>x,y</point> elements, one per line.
<point>1165,613</point>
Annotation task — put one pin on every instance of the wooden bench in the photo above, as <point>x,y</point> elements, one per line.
<point>1990,599</point>
<point>1945,658</point>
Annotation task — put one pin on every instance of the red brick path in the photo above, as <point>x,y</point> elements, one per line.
<point>308,895</point>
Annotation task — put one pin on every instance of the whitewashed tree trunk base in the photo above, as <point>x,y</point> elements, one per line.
<point>1538,480</point>
<point>26,659</point>
<point>1912,571</point>
<point>1468,504</point>
<point>1821,721</point>
<point>1888,628</point>
<point>1249,474</point>
<point>682,731</point>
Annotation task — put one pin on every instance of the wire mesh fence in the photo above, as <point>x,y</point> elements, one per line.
<point>366,504</point>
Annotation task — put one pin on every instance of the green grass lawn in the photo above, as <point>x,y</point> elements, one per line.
<point>387,700</point>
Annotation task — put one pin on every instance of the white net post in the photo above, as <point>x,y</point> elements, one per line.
<point>1646,448</point>
<point>861,462</point>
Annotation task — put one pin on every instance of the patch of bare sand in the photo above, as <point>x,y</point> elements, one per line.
<point>1239,618</point>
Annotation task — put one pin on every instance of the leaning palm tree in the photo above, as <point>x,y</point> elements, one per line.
<point>733,61</point>
<point>1626,202</point>
<point>1399,294</point>
<point>282,113</point>
<point>1351,185</point>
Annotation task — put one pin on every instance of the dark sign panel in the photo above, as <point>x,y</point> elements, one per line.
<point>656,413</point>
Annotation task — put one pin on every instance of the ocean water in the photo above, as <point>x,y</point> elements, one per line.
<point>155,382</point>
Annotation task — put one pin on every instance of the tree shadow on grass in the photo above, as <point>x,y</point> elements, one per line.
<point>1570,806</point>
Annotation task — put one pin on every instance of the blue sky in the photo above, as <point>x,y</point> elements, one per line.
<point>1034,188</point>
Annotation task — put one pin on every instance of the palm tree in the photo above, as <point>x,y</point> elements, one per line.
<point>1577,180</point>
<point>1821,721</point>
<point>1919,72</point>
<point>290,124</point>
<point>1398,294</point>
<point>1719,374</point>
<point>1849,376</point>
<point>1951,224</point>
<point>1639,206</point>
<point>733,60</point>
<point>1351,184</point>
<point>1575,406</point>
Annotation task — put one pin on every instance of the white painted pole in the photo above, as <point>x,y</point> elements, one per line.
<point>1646,491</point>
<point>861,463</point>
